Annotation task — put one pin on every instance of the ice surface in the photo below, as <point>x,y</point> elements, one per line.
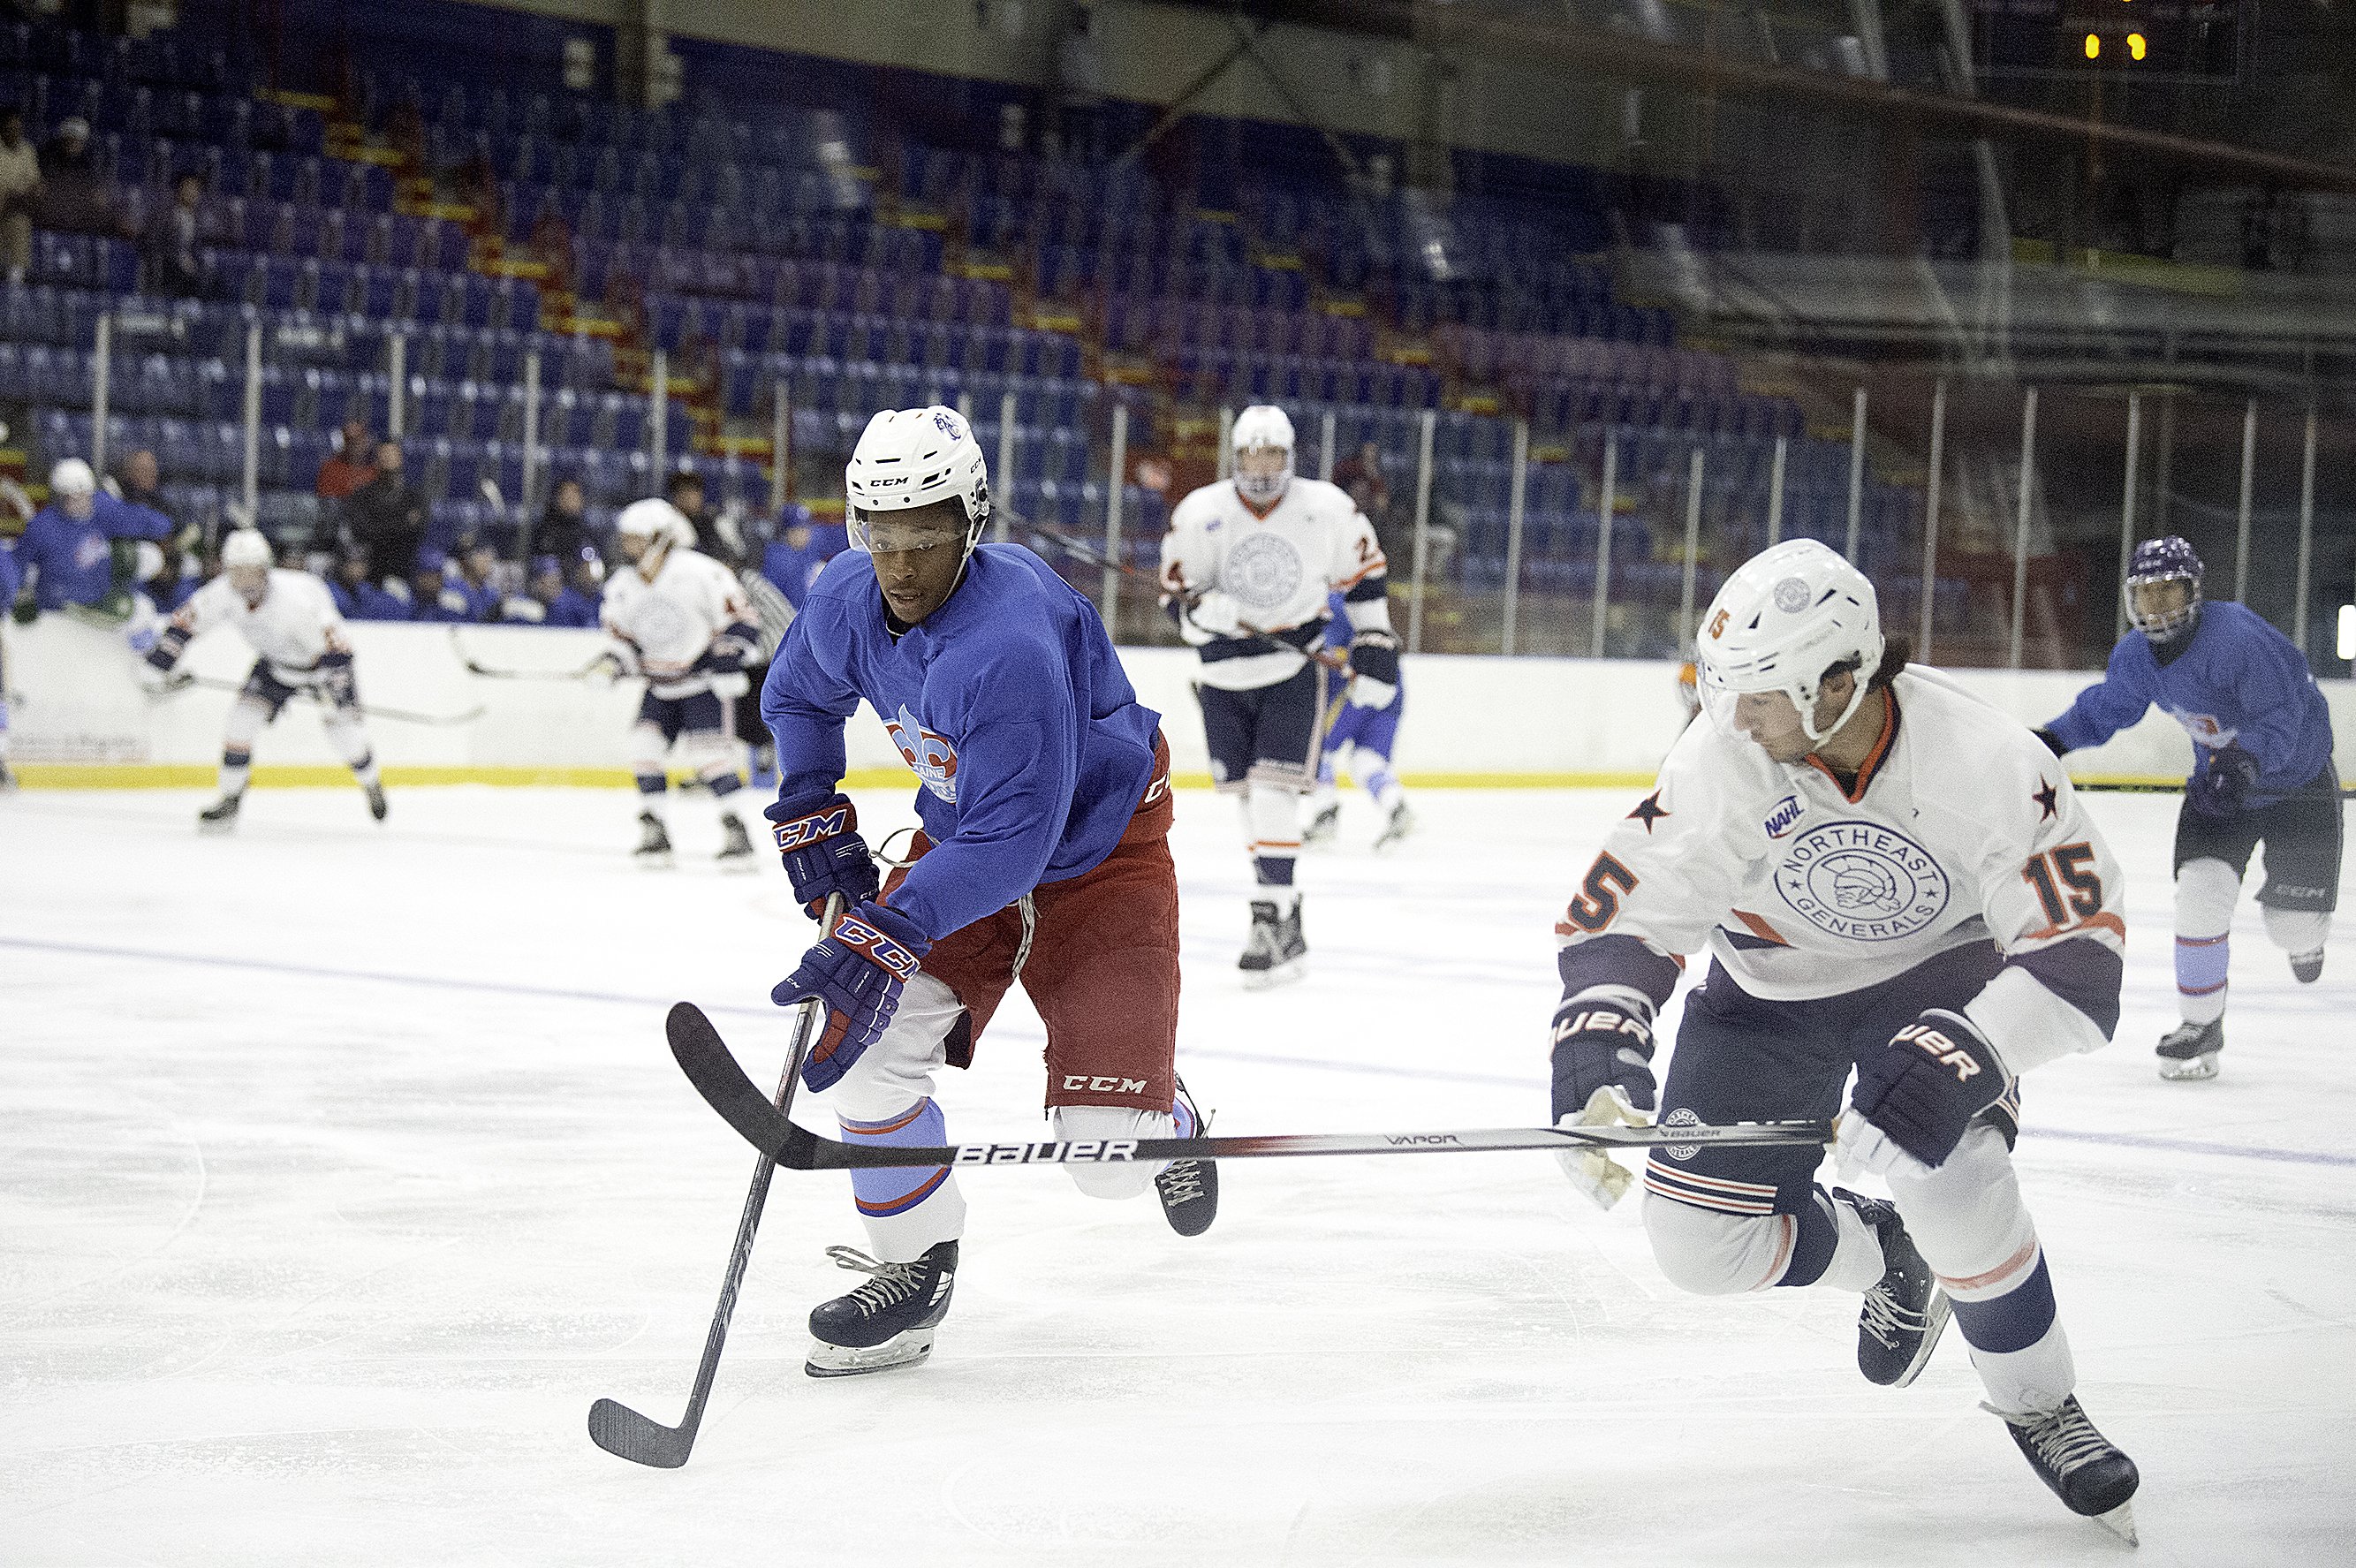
<point>342,1168</point>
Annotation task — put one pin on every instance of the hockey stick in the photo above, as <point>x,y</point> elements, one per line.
<point>705,1056</point>
<point>2174,787</point>
<point>603,661</point>
<point>181,681</point>
<point>614,1427</point>
<point>1081,550</point>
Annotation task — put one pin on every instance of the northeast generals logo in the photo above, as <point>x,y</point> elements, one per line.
<point>1862,882</point>
<point>1263,571</point>
<point>930,756</point>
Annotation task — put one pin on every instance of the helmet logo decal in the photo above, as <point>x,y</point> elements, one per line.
<point>1790,595</point>
<point>948,423</point>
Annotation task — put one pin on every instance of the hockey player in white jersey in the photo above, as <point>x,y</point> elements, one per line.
<point>683,622</point>
<point>1246,568</point>
<point>1886,874</point>
<point>290,620</point>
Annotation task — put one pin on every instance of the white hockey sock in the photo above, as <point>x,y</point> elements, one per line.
<point>1272,816</point>
<point>2297,931</point>
<point>347,737</point>
<point>1125,1179</point>
<point>1857,1262</point>
<point>245,722</point>
<point>2205,893</point>
<point>654,796</point>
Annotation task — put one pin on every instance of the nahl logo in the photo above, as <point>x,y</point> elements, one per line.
<point>1784,817</point>
<point>1103,1084</point>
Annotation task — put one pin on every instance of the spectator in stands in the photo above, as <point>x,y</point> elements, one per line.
<point>74,196</point>
<point>20,194</point>
<point>79,548</point>
<point>172,250</point>
<point>477,564</point>
<point>387,518</point>
<point>1362,475</point>
<point>563,531</point>
<point>544,600</point>
<point>139,481</point>
<point>794,558</point>
<point>356,599</point>
<point>713,535</point>
<point>350,467</point>
<point>431,597</point>
<point>584,592</point>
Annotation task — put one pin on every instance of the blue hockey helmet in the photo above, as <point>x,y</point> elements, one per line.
<point>2158,560</point>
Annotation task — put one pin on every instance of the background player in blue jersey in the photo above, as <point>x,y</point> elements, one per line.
<point>1360,740</point>
<point>1043,857</point>
<point>2262,773</point>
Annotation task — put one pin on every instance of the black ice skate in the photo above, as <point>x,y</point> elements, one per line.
<point>888,1321</point>
<point>1402,823</point>
<point>220,816</point>
<point>654,842</point>
<point>2085,1468</point>
<point>736,855</point>
<point>1274,953</point>
<point>2188,1053</point>
<point>2307,968</point>
<point>376,807</point>
<point>1324,826</point>
<point>1190,1188</point>
<point>1905,1312</point>
<point>8,786</point>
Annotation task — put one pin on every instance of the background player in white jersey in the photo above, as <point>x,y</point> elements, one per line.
<point>1246,567</point>
<point>290,620</point>
<point>684,623</point>
<point>1887,873</point>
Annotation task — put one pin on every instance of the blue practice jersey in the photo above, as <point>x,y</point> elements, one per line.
<point>574,609</point>
<point>12,576</point>
<point>367,602</point>
<point>76,560</point>
<point>2240,682</point>
<point>1008,701</point>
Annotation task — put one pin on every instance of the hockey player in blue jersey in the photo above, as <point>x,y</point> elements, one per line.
<point>1043,857</point>
<point>76,551</point>
<point>2262,773</point>
<point>10,580</point>
<point>1359,739</point>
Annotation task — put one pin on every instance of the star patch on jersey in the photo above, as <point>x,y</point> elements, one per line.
<point>2045,799</point>
<point>1648,810</point>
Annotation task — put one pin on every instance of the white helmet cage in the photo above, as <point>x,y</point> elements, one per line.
<point>655,518</point>
<point>1786,618</point>
<point>245,547</point>
<point>1262,427</point>
<point>911,458</point>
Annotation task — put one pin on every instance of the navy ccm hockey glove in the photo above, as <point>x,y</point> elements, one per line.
<point>857,972</point>
<point>1375,660</point>
<point>1922,1090</point>
<point>819,837</point>
<point>2224,787</point>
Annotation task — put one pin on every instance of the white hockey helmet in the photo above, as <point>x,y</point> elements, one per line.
<point>245,547</point>
<point>72,476</point>
<point>654,519</point>
<point>910,458</point>
<point>1263,428</point>
<point>1786,618</point>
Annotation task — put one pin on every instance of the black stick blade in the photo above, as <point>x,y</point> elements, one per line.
<point>620,1430</point>
<point>703,1056</point>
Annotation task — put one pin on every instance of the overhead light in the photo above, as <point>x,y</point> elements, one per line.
<point>2135,46</point>
<point>2094,46</point>
<point>2348,632</point>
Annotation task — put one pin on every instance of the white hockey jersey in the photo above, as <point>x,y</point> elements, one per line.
<point>295,625</point>
<point>1961,828</point>
<point>1280,568</point>
<point>671,622</point>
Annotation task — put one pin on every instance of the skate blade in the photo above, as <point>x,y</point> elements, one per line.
<point>215,830</point>
<point>2188,1070</point>
<point>1942,1309</point>
<point>652,862</point>
<point>2120,1521</point>
<point>903,1349</point>
<point>738,865</point>
<point>1282,974</point>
